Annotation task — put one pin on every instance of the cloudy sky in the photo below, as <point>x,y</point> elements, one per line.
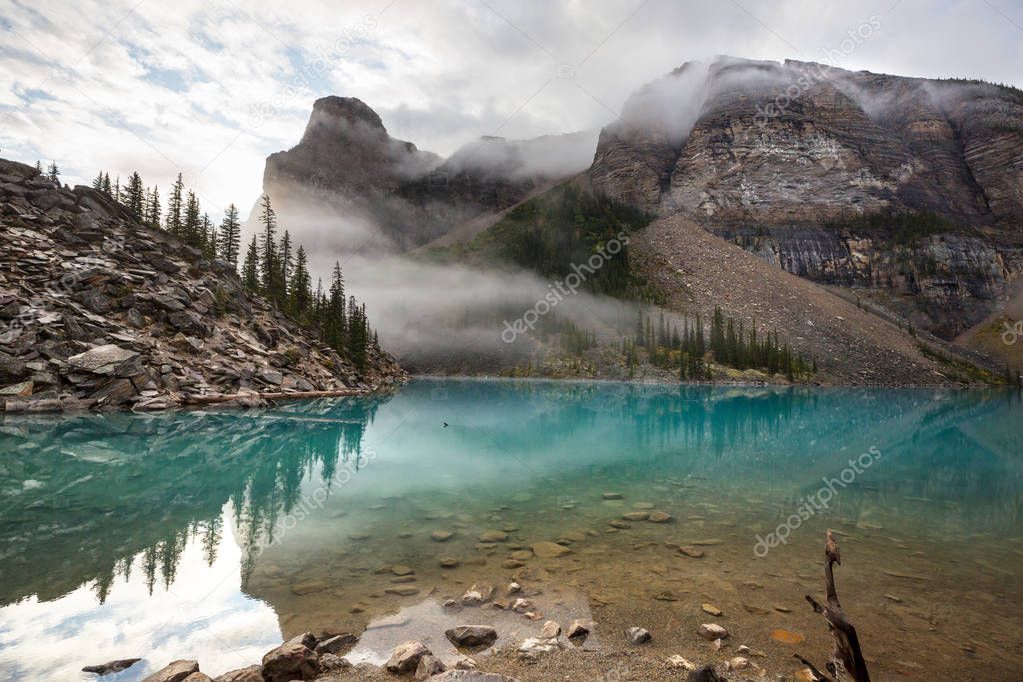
<point>210,87</point>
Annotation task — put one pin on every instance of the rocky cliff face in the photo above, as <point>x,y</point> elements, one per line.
<point>347,169</point>
<point>768,154</point>
<point>97,310</point>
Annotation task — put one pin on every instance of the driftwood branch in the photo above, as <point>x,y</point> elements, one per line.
<point>847,644</point>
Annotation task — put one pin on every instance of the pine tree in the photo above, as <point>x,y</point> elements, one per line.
<point>285,263</point>
<point>107,189</point>
<point>250,269</point>
<point>53,173</point>
<point>230,236</point>
<point>39,166</point>
<point>97,183</point>
<point>153,209</point>
<point>192,227</point>
<point>134,194</point>
<point>334,323</point>
<point>301,286</point>
<point>268,246</point>
<point>175,224</point>
<point>116,194</point>
<point>209,237</point>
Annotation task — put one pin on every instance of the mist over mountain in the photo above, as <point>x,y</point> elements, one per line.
<point>902,194</point>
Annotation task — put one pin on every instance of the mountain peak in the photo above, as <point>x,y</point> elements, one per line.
<point>332,113</point>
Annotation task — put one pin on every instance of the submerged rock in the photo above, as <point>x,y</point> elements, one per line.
<point>711,609</point>
<point>712,631</point>
<point>578,628</point>
<point>332,645</point>
<point>477,594</point>
<point>471,635</point>
<point>549,550</point>
<point>638,635</point>
<point>550,629</point>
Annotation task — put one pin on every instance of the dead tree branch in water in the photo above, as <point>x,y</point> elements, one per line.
<point>847,644</point>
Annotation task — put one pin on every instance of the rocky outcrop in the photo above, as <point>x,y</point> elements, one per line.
<point>385,193</point>
<point>97,310</point>
<point>773,156</point>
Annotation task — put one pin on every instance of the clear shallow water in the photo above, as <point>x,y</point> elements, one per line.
<point>213,534</point>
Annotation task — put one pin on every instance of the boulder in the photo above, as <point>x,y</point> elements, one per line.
<point>253,673</point>
<point>471,635</point>
<point>337,643</point>
<point>428,667</point>
<point>175,671</point>
<point>292,660</point>
<point>198,677</point>
<point>102,359</point>
<point>406,656</point>
<point>19,390</point>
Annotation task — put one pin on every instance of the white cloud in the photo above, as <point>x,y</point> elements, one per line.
<point>163,87</point>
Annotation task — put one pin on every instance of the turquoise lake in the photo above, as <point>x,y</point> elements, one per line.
<point>213,534</point>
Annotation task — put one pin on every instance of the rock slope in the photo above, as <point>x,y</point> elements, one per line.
<point>698,271</point>
<point>97,310</point>
<point>775,156</point>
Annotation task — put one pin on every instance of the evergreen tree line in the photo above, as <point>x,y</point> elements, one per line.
<point>729,343</point>
<point>271,267</point>
<point>183,218</point>
<point>732,345</point>
<point>275,269</point>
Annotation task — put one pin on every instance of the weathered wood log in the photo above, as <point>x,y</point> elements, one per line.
<point>847,644</point>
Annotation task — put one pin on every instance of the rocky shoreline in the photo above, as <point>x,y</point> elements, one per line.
<point>322,658</point>
<point>99,311</point>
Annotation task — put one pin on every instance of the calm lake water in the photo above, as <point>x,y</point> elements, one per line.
<point>213,534</point>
